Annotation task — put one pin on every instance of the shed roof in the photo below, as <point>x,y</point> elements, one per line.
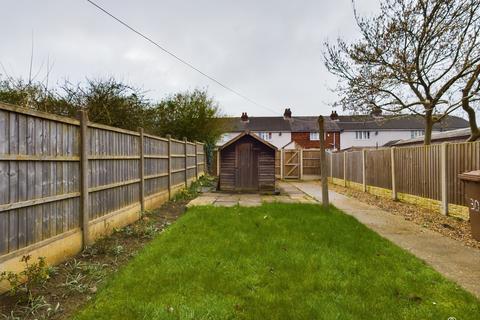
<point>247,133</point>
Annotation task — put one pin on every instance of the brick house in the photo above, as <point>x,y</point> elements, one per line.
<point>341,131</point>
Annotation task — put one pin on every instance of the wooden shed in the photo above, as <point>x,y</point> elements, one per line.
<point>246,164</point>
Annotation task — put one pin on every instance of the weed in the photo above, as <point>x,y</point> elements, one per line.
<point>33,275</point>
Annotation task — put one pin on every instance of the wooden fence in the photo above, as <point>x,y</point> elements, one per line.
<point>60,175</point>
<point>425,172</point>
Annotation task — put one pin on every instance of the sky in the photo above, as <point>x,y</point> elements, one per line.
<point>269,51</point>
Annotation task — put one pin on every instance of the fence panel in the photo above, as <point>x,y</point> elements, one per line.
<point>461,157</point>
<point>417,171</point>
<point>39,178</point>
<point>337,162</point>
<point>378,168</point>
<point>311,162</point>
<point>354,166</point>
<point>156,165</point>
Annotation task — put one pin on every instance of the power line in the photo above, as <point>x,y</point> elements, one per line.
<point>178,58</point>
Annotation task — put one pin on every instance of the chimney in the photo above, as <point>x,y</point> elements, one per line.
<point>287,114</point>
<point>244,117</point>
<point>334,116</point>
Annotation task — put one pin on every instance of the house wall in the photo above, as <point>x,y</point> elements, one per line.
<point>303,140</point>
<point>279,139</point>
<point>377,138</point>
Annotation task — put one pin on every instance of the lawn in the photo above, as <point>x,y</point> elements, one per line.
<point>277,261</point>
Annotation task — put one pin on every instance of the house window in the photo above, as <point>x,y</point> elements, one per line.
<point>265,135</point>
<point>314,136</point>
<point>362,135</point>
<point>417,133</point>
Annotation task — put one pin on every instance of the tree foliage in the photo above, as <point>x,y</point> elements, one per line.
<point>415,56</point>
<point>193,115</point>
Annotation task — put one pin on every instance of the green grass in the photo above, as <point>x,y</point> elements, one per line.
<point>277,261</point>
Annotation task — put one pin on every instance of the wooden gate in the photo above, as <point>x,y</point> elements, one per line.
<point>291,164</point>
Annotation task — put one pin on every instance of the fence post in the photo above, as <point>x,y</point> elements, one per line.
<point>301,164</point>
<point>141,169</point>
<point>364,170</point>
<point>218,163</point>
<point>196,160</point>
<point>169,152</point>
<point>443,167</point>
<point>84,214</point>
<point>344,168</point>
<point>282,159</point>
<point>394,182</point>
<point>186,161</point>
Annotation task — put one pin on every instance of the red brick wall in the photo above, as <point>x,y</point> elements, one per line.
<point>303,139</point>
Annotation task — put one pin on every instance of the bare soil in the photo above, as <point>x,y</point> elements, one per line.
<point>452,227</point>
<point>75,282</point>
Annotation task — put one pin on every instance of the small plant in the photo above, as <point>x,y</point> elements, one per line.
<point>33,274</point>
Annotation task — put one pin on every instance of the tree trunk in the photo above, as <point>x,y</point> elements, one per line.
<point>475,132</point>
<point>428,126</point>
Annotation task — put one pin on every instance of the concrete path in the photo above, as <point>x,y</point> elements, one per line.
<point>288,194</point>
<point>449,257</point>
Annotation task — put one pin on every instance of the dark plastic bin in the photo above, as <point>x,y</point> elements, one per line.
<point>472,196</point>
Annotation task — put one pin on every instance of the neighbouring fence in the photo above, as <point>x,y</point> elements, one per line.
<point>60,175</point>
<point>429,172</point>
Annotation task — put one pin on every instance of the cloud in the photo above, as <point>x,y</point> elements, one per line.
<point>268,50</point>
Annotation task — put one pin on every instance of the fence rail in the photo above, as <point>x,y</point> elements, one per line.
<point>58,174</point>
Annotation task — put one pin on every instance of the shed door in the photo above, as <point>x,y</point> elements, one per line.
<point>247,167</point>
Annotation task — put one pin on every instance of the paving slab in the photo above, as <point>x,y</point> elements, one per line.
<point>449,257</point>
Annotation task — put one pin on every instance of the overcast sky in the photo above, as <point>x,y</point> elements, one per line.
<point>268,50</point>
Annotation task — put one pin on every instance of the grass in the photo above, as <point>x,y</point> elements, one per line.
<point>277,261</point>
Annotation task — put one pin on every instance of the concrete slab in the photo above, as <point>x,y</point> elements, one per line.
<point>449,257</point>
<point>202,201</point>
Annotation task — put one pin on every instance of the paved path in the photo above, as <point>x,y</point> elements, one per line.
<point>455,261</point>
<point>288,194</point>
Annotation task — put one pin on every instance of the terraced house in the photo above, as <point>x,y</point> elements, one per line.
<point>341,131</point>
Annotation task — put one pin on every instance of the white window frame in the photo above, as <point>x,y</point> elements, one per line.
<point>362,135</point>
<point>417,133</point>
<point>314,136</point>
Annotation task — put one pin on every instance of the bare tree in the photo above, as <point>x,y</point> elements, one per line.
<point>412,57</point>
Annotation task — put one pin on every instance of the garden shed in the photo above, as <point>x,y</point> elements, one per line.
<point>246,164</point>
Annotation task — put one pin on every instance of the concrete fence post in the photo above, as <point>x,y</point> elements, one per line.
<point>141,169</point>
<point>443,176</point>
<point>364,170</point>
<point>344,168</point>
<point>185,144</point>
<point>196,160</point>
<point>169,152</point>
<point>84,214</point>
<point>394,181</point>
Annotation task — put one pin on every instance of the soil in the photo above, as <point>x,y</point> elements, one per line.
<point>452,227</point>
<point>76,281</point>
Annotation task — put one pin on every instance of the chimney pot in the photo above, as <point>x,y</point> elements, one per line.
<point>287,114</point>
<point>244,117</point>
<point>334,115</point>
